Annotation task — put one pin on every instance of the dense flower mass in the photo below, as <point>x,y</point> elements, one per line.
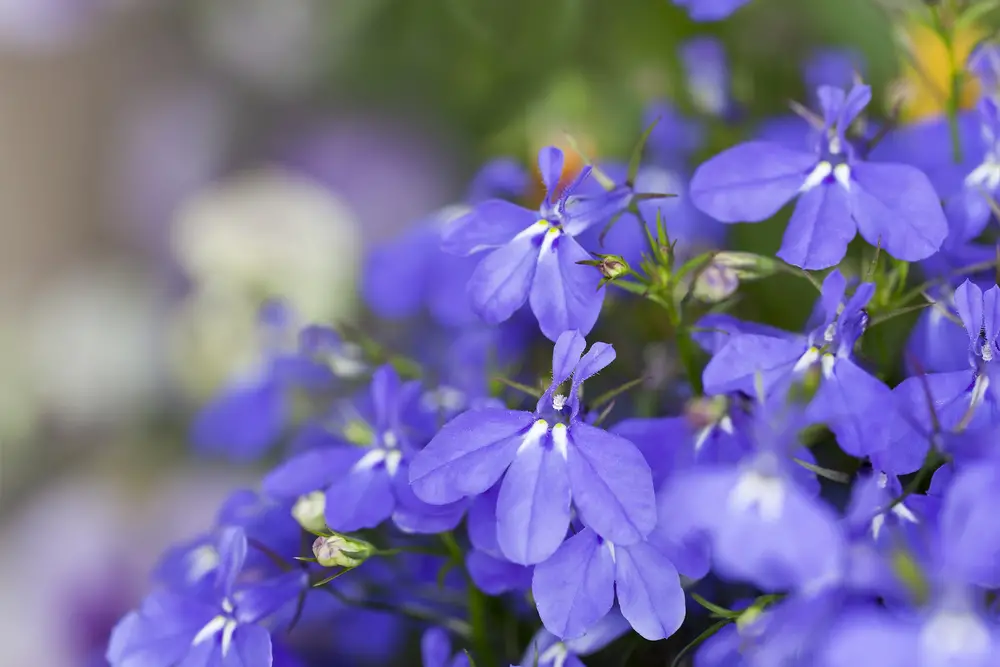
<point>821,494</point>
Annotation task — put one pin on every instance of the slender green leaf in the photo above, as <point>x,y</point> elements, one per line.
<point>697,641</point>
<point>721,612</point>
<point>636,159</point>
<point>832,475</point>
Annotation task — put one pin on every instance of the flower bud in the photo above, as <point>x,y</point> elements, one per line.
<point>341,551</point>
<point>310,511</point>
<point>746,265</point>
<point>611,267</point>
<point>715,283</point>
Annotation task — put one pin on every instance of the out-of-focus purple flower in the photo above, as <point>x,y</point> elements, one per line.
<point>172,141</point>
<point>839,68</point>
<point>547,650</point>
<point>984,63</point>
<point>361,159</point>
<point>710,10</point>
<point>435,650</point>
<point>253,409</point>
<point>412,272</point>
<point>365,478</point>
<point>756,520</point>
<point>708,77</point>
<point>950,627</point>
<point>838,192</point>
<point>210,628</point>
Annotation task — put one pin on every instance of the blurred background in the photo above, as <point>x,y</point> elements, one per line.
<point>166,164</point>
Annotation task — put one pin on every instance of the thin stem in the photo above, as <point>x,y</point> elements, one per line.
<point>477,605</point>
<point>454,625</point>
<point>954,84</point>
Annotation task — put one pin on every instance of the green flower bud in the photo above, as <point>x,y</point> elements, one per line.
<point>310,511</point>
<point>746,265</point>
<point>341,551</point>
<point>611,267</point>
<point>715,283</point>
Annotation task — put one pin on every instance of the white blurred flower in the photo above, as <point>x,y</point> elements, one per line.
<point>262,234</point>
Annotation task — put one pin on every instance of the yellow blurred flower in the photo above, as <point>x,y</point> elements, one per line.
<point>927,73</point>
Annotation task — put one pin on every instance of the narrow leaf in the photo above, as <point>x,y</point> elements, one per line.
<point>832,475</point>
<point>636,159</point>
<point>530,391</point>
<point>697,641</point>
<point>721,612</point>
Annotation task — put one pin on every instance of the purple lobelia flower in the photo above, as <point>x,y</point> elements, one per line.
<point>760,522</point>
<point>533,254</point>
<point>848,397</point>
<point>435,650</point>
<point>550,461</point>
<point>546,650</point>
<point>710,10</point>
<point>839,193</point>
<point>952,628</point>
<point>253,409</point>
<point>708,76</point>
<point>412,272</point>
<point>364,480</point>
<point>966,399</point>
<point>218,628</point>
<point>984,63</point>
<point>577,586</point>
<point>486,563</point>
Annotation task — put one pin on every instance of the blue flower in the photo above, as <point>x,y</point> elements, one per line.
<point>534,254</point>
<point>848,400</point>
<point>759,521</point>
<point>962,400</point>
<point>435,650</point>
<point>365,480</point>
<point>194,565</point>
<point>708,78</point>
<point>893,205</point>
<point>952,627</point>
<point>710,10</point>
<point>577,586</point>
<point>216,629</point>
<point>412,272</point>
<point>487,565</point>
<point>550,461</point>
<point>253,409</point>
<point>547,650</point>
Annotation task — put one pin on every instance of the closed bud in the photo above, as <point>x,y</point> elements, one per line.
<point>613,266</point>
<point>310,511</point>
<point>715,283</point>
<point>341,551</point>
<point>746,265</point>
<point>610,266</point>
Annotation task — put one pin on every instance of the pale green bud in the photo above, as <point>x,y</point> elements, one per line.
<point>341,551</point>
<point>310,511</point>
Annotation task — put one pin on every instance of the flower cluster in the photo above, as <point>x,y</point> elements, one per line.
<point>834,513</point>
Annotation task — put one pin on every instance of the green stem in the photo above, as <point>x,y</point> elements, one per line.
<point>955,84</point>
<point>688,352</point>
<point>477,606</point>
